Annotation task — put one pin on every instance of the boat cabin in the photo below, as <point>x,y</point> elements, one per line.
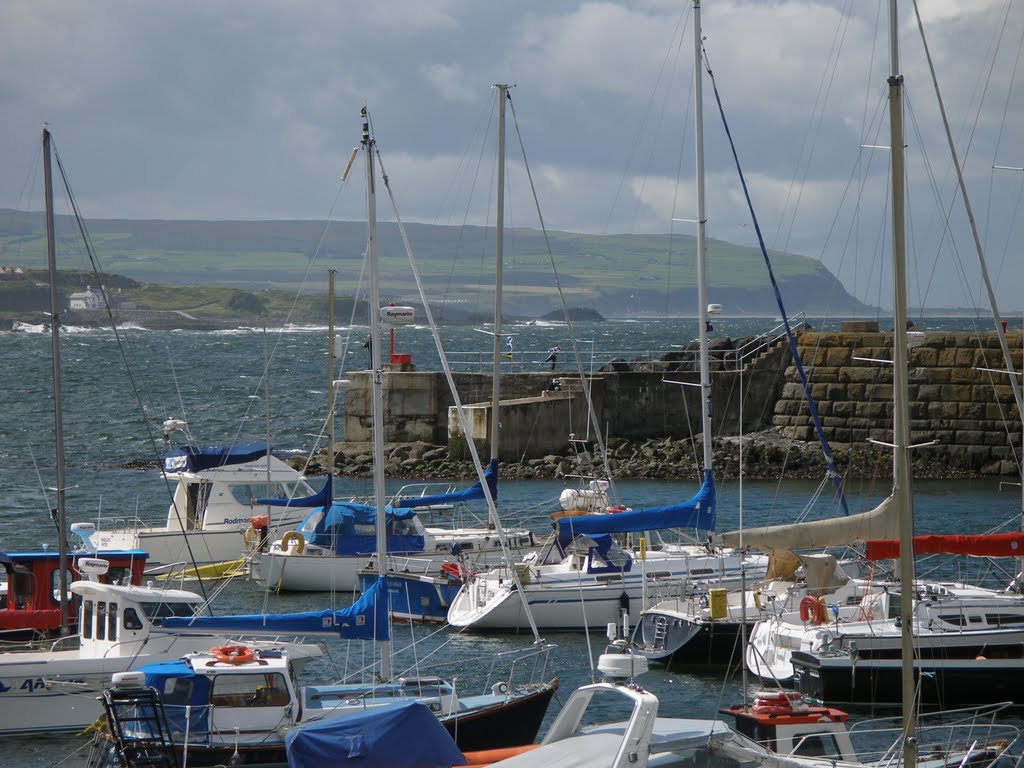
<point>226,690</point>
<point>30,595</point>
<point>116,620</point>
<point>220,486</point>
<point>784,723</point>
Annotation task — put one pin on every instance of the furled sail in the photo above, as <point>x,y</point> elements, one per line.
<point>365,619</point>
<point>879,523</point>
<point>474,492</point>
<point>697,512</point>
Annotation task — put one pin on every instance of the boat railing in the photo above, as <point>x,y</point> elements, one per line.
<point>952,737</point>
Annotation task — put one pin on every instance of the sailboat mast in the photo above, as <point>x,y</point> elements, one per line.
<point>702,277</point>
<point>58,408</point>
<point>499,246</point>
<point>902,492</point>
<point>330,372</point>
<point>376,374</point>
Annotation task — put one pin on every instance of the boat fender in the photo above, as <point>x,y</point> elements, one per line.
<point>232,654</point>
<point>300,542</point>
<point>812,609</point>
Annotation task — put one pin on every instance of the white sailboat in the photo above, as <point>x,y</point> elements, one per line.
<point>582,579</point>
<point>329,548</point>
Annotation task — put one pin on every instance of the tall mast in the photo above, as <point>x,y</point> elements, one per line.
<point>702,277</point>
<point>330,373</point>
<point>901,418</point>
<point>58,409</point>
<point>376,374</point>
<point>499,246</point>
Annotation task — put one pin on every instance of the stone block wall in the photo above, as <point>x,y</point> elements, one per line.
<point>970,411</point>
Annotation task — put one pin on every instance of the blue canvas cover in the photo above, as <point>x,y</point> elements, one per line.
<point>474,492</point>
<point>347,527</point>
<point>401,735</point>
<point>697,512</point>
<point>191,459</point>
<point>365,619</point>
<point>180,688</point>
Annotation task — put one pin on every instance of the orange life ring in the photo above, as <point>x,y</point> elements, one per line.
<point>813,609</point>
<point>616,510</point>
<point>232,654</point>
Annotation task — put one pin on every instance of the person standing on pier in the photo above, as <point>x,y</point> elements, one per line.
<point>553,354</point>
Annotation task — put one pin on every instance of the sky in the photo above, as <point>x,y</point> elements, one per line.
<point>248,109</point>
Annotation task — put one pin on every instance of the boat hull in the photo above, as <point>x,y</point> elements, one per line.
<point>674,640</point>
<point>941,683</point>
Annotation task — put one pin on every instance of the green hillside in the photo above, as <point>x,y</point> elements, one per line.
<point>615,274</point>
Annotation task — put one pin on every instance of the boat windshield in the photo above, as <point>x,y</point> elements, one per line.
<point>162,610</point>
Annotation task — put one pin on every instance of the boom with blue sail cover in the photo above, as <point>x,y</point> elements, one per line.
<point>365,619</point>
<point>324,496</point>
<point>696,512</point>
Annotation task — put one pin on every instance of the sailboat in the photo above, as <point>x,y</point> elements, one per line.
<point>509,714</point>
<point>961,643</point>
<point>330,549</point>
<point>583,578</point>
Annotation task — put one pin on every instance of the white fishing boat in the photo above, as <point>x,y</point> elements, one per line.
<point>216,493</point>
<point>56,689</point>
<point>248,703</point>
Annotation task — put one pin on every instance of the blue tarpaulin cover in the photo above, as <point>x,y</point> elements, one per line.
<point>402,735</point>
<point>319,499</point>
<point>365,619</point>
<point>697,512</point>
<point>191,459</point>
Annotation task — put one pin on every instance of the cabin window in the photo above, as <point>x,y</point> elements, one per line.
<point>101,620</point>
<point>55,585</point>
<point>198,496</point>
<point>177,691</point>
<point>21,588</point>
<point>1005,619</point>
<point>264,689</point>
<point>815,745</point>
<point>86,628</point>
<point>248,493</point>
<point>119,575</point>
<point>112,621</point>
<point>131,619</point>
<point>162,610</point>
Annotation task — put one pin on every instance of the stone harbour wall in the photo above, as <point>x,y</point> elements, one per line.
<point>957,396</point>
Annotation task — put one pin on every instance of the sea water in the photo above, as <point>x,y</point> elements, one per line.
<point>118,389</point>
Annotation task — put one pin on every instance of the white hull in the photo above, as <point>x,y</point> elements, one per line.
<point>170,547</point>
<point>50,692</point>
<point>317,569</point>
<point>575,601</point>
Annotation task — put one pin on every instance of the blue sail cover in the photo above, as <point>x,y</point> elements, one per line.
<point>405,734</point>
<point>319,499</point>
<point>474,492</point>
<point>365,619</point>
<point>190,459</point>
<point>697,512</point>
